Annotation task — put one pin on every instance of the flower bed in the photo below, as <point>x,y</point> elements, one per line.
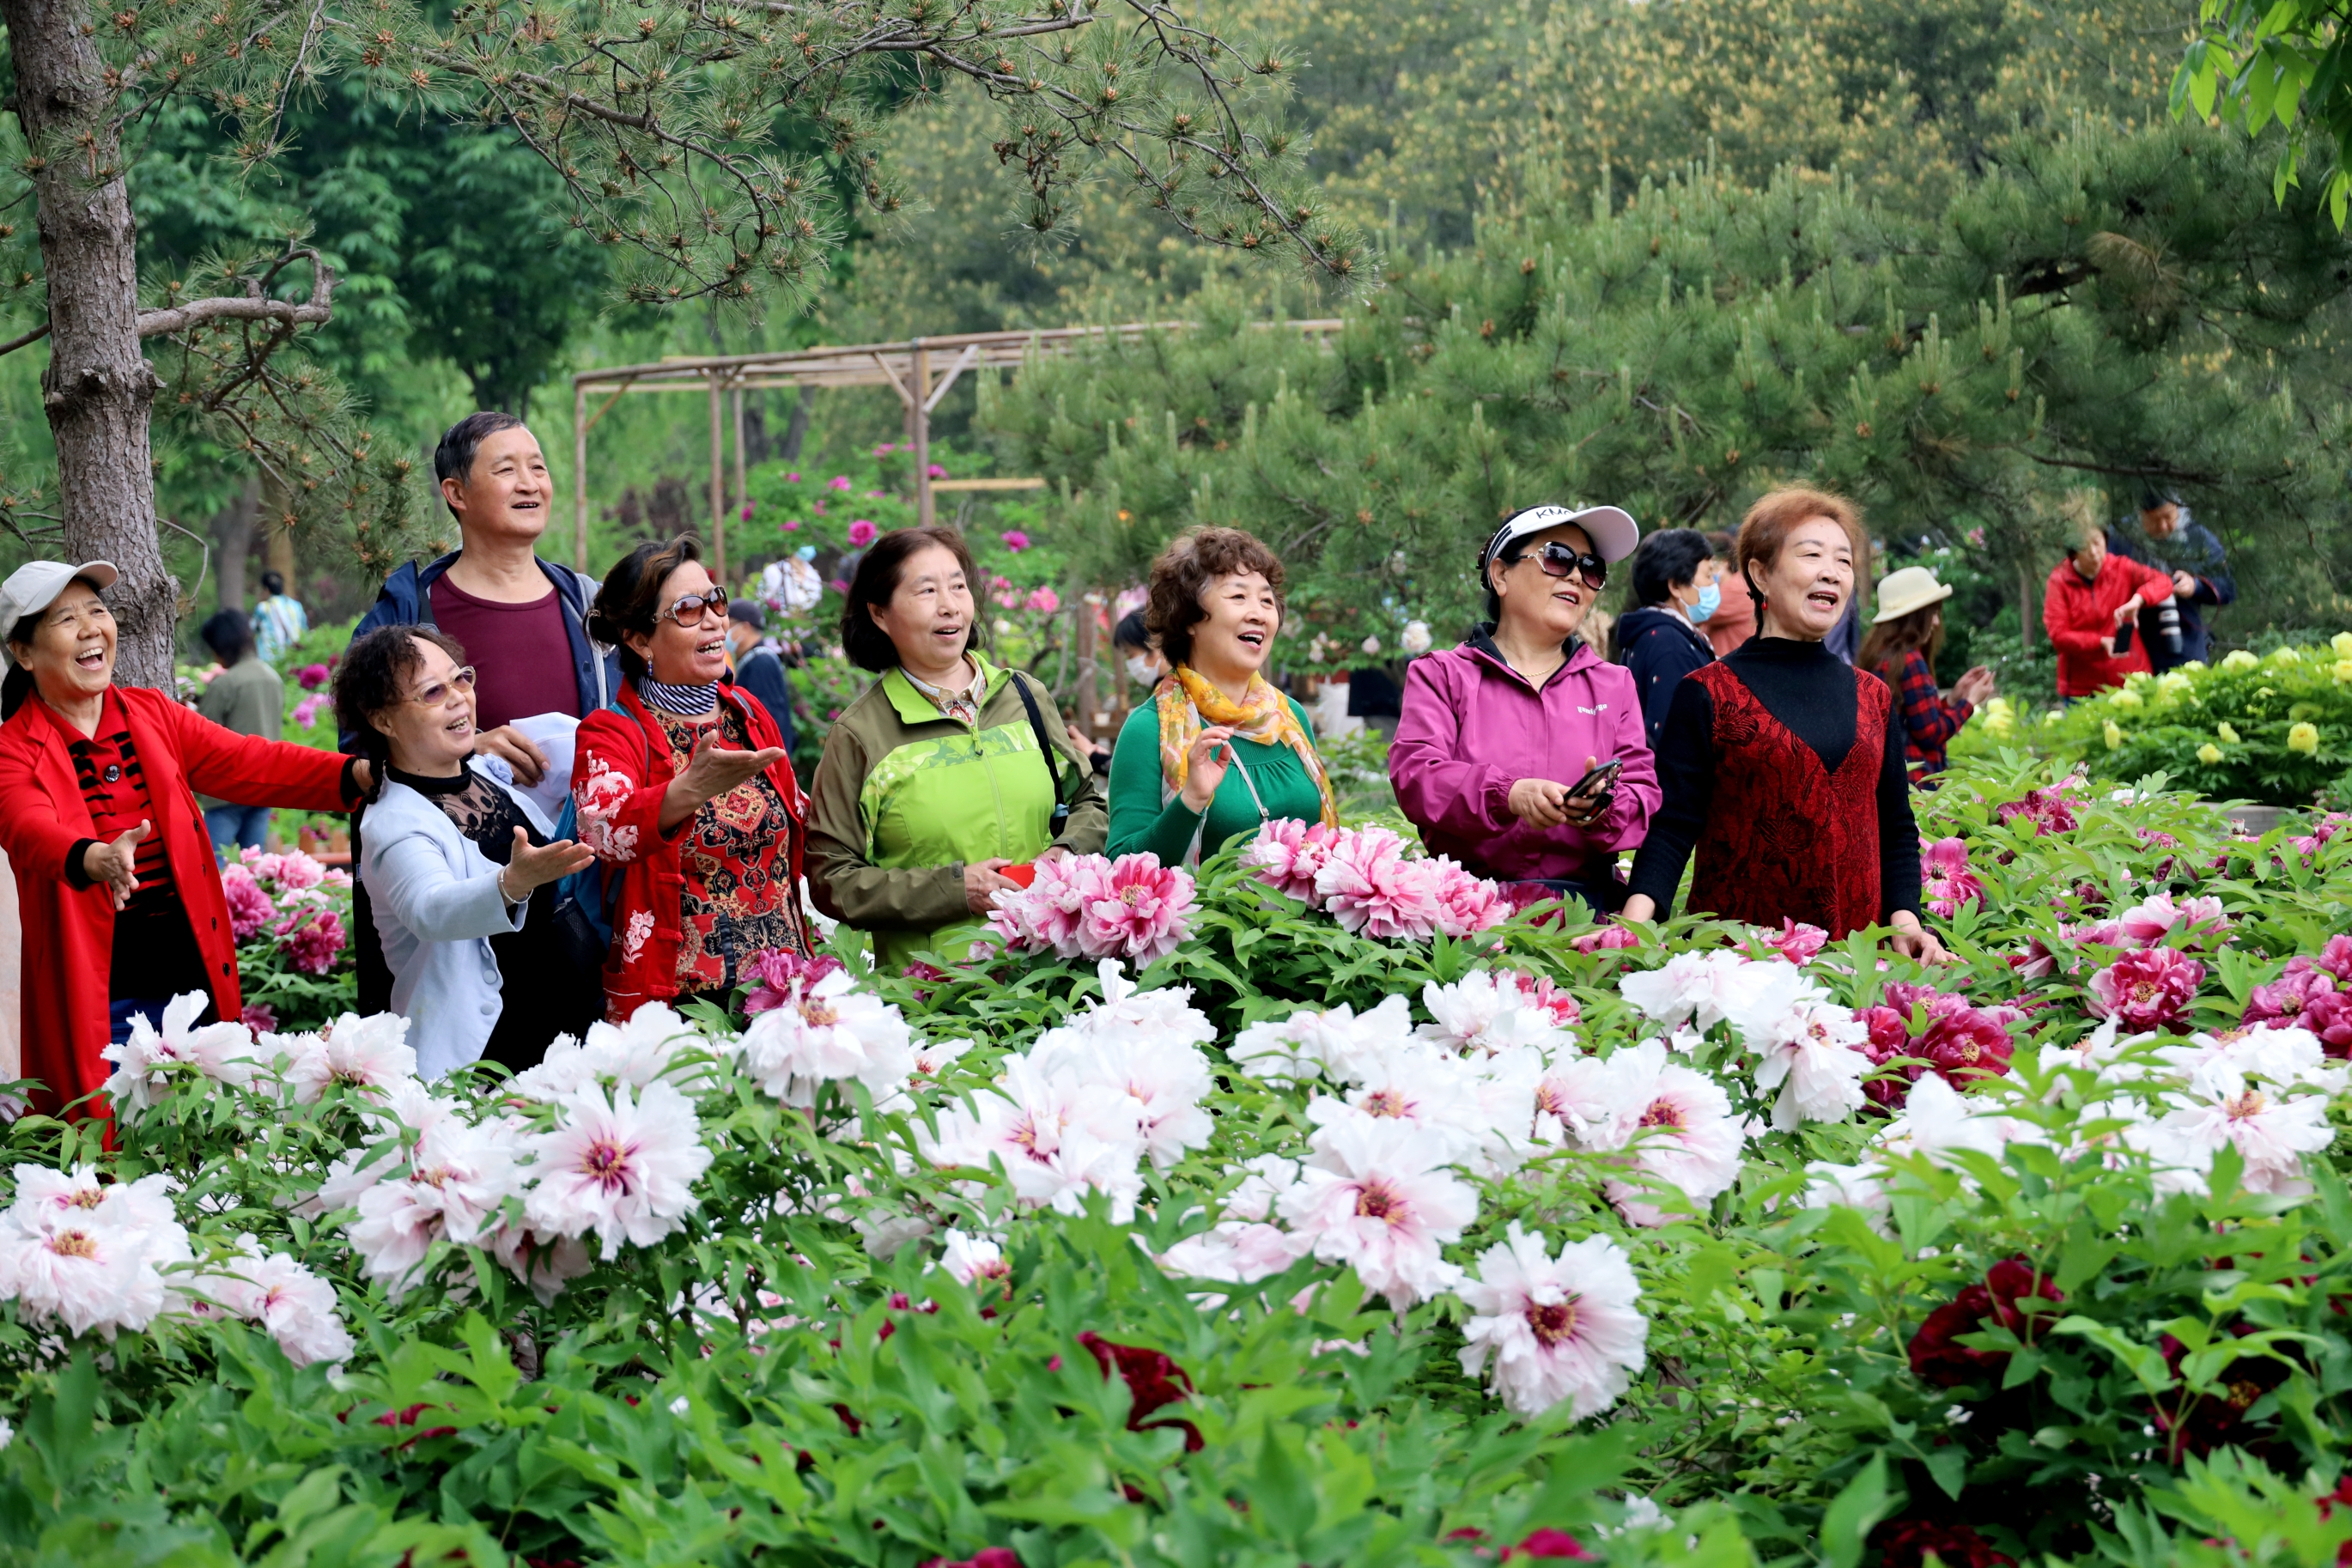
<point>1491,1236</point>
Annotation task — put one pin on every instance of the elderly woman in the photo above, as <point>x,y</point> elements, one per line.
<point>461,864</point>
<point>948,771</point>
<point>1900,648</point>
<point>1782,764</point>
<point>1498,733</point>
<point>684,793</point>
<point>121,899</point>
<point>1662,640</point>
<point>2091,608</point>
<point>1217,751</point>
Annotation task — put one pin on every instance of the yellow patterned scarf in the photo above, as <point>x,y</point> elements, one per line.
<point>1189,704</point>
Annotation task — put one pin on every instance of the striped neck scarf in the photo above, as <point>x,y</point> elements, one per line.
<point>685,701</point>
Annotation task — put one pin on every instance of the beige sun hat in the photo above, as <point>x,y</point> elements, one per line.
<point>1912,588</point>
<point>36,585</point>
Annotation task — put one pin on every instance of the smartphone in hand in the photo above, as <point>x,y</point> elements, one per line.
<point>1600,781</point>
<point>2124,639</point>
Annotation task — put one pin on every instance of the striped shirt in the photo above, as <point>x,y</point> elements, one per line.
<point>155,954</point>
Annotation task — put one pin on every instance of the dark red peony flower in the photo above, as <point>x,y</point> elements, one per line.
<point>1966,1045</point>
<point>2199,1423</point>
<point>1937,1357</point>
<point>1550,1542</point>
<point>1154,1383</point>
<point>1908,1543</point>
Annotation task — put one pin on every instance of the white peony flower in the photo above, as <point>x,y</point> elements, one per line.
<point>1861,1186</point>
<point>1697,988</point>
<point>1677,1122</point>
<point>2286,1058</point>
<point>1811,1053</point>
<point>225,1053</point>
<point>1376,1197</point>
<point>635,1053</point>
<point>367,1054</point>
<point>90,1265</point>
<point>1166,1014</point>
<point>971,1257</point>
<point>297,1307</point>
<point>1055,1140</point>
<point>827,1032</point>
<point>458,1175</point>
<point>1564,1330</point>
<point>1238,1252</point>
<point>1270,1176</point>
<point>1938,1119</point>
<point>1486,1012</point>
<point>2272,1132</point>
<point>1162,1078</point>
<point>1336,1042</point>
<point>622,1168</point>
<point>543,1262</point>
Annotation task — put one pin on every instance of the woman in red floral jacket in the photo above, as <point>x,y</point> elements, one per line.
<point>120,897</point>
<point>685,790</point>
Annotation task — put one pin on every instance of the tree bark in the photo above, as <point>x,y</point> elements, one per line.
<point>98,388</point>
<point>233,545</point>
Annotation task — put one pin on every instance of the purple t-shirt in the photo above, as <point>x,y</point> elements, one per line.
<point>521,654</point>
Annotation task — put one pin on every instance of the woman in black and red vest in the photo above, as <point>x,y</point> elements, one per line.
<point>1782,765</point>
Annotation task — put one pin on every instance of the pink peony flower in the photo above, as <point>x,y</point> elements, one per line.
<point>290,872</point>
<point>1044,916</point>
<point>883,451</point>
<point>861,533</point>
<point>1538,992</point>
<point>249,908</point>
<point>2046,811</point>
<point>1044,600</point>
<point>935,471</point>
<point>311,676</point>
<point>1139,914</point>
<point>772,974</point>
<point>792,525</point>
<point>2146,923</point>
<point>1371,890</point>
<point>306,712</point>
<point>1016,540</point>
<point>1797,942</point>
<point>1468,903</point>
<point>1289,854</point>
<point>2145,990</point>
<point>1605,939</point>
<point>260,1016</point>
<point>312,937</point>
<point>1946,880</point>
<point>838,482</point>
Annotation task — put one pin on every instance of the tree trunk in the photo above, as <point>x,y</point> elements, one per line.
<point>797,431</point>
<point>233,545</point>
<point>97,386</point>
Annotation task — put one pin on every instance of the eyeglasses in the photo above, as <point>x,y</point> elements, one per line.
<point>460,679</point>
<point>1556,560</point>
<point>689,612</point>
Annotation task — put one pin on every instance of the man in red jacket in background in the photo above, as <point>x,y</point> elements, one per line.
<point>2091,599</point>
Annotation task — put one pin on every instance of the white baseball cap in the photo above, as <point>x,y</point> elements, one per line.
<point>1612,530</point>
<point>35,587</point>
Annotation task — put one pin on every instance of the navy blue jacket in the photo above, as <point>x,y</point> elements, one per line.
<point>406,600</point>
<point>2193,548</point>
<point>762,673</point>
<point>1659,650</point>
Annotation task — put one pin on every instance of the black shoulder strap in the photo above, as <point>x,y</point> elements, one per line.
<point>1044,744</point>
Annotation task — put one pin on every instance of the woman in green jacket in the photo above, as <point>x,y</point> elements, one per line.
<point>947,771</point>
<point>1217,751</point>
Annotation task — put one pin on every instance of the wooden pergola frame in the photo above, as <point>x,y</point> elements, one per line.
<point>907,368</point>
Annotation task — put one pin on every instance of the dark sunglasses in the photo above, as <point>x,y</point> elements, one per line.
<point>1556,560</point>
<point>689,612</point>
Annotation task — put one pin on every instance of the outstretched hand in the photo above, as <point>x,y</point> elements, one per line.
<point>711,772</point>
<point>116,864</point>
<point>552,862</point>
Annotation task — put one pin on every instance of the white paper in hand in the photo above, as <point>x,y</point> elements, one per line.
<point>553,734</point>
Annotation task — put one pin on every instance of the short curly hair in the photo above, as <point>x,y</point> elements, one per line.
<point>373,677</point>
<point>1183,574</point>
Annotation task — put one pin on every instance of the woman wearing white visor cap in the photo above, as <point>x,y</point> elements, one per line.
<point>116,884</point>
<point>1520,753</point>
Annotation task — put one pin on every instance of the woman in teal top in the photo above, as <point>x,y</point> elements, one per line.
<point>1217,751</point>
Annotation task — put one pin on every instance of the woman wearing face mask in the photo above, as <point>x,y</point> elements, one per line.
<point>1131,640</point>
<point>1782,765</point>
<point>1496,735</point>
<point>1217,751</point>
<point>1674,584</point>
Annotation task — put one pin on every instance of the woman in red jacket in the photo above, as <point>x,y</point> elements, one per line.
<point>685,794</point>
<point>2091,598</point>
<point>119,893</point>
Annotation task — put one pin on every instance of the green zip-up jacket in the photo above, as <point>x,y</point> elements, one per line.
<point>905,796</point>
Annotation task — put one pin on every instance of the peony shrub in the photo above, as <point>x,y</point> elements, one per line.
<point>1290,1230</point>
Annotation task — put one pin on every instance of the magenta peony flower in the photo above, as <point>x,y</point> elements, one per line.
<point>1797,942</point>
<point>1044,600</point>
<point>249,908</point>
<point>2145,990</point>
<point>747,510</point>
<point>260,1017</point>
<point>792,525</point>
<point>2047,811</point>
<point>311,676</point>
<point>1289,854</point>
<point>1140,915</point>
<point>2151,922</point>
<point>1966,1044</point>
<point>861,533</point>
<point>838,482</point>
<point>2336,957</point>
<point>883,451</point>
<point>1945,878</point>
<point>772,972</point>
<point>935,471</point>
<point>312,937</point>
<point>1370,889</point>
<point>2282,1002</point>
<point>793,478</point>
<point>1605,939</point>
<point>1016,540</point>
<point>2328,1015</point>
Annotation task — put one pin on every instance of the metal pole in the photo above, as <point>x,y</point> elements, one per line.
<point>921,416</point>
<point>579,477</point>
<point>718,487</point>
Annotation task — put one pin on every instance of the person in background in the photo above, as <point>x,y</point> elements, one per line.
<point>1782,765</point>
<point>685,794</point>
<point>1734,621</point>
<point>119,894</point>
<point>948,770</point>
<point>1217,751</point>
<point>1139,661</point>
<point>1374,696</point>
<point>278,621</point>
<point>525,619</point>
<point>792,585</point>
<point>247,697</point>
<point>760,664</point>
<point>2179,545</point>
<point>2089,602</point>
<point>1906,637</point>
<point>1497,734</point>
<point>1664,640</point>
<point>462,865</point>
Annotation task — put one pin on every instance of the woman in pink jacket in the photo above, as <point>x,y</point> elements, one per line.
<point>1497,734</point>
